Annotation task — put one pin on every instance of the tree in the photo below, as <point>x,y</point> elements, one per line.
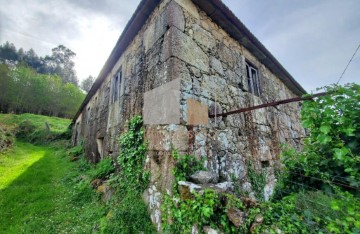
<point>8,52</point>
<point>22,89</point>
<point>33,60</point>
<point>6,86</point>
<point>60,62</point>
<point>87,83</point>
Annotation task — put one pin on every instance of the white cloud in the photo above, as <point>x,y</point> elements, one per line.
<point>313,39</point>
<point>84,28</point>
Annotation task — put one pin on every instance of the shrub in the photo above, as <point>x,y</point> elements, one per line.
<point>6,138</point>
<point>103,169</point>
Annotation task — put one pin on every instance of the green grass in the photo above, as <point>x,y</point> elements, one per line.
<point>40,193</point>
<point>17,161</point>
<point>33,128</point>
<point>57,125</point>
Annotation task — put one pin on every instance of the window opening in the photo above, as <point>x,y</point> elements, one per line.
<point>116,86</point>
<point>253,79</point>
<point>88,115</point>
<point>100,146</point>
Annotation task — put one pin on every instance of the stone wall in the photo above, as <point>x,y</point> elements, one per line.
<point>211,66</point>
<point>104,119</point>
<point>180,42</point>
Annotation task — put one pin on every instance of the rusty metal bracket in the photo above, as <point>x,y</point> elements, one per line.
<point>297,99</point>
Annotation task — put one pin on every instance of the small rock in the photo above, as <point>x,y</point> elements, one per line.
<point>224,187</point>
<point>203,177</point>
<point>187,188</point>
<point>184,192</point>
<point>236,216</point>
<point>259,218</point>
<point>253,227</point>
<point>107,192</point>
<point>249,202</point>
<point>209,230</point>
<point>96,183</point>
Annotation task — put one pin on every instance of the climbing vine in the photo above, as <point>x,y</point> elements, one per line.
<point>257,180</point>
<point>129,213</point>
<point>132,156</point>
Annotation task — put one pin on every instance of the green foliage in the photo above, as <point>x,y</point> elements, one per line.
<point>208,208</point>
<point>132,157</point>
<point>43,192</point>
<point>103,169</point>
<point>24,90</point>
<point>7,138</point>
<point>282,216</point>
<point>32,128</point>
<point>87,83</point>
<point>186,165</point>
<point>129,213</point>
<point>59,63</point>
<point>318,187</point>
<point>257,179</point>
<point>331,155</point>
<point>312,212</point>
<point>76,151</point>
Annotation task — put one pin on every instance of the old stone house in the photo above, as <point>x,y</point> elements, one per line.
<point>175,62</point>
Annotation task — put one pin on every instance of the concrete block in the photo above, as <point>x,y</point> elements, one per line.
<point>198,113</point>
<point>162,104</point>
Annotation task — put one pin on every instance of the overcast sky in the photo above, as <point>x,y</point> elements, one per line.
<point>312,39</point>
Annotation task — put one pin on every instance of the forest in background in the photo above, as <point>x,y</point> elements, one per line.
<point>42,85</point>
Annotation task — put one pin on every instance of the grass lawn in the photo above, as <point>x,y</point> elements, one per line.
<point>37,129</point>
<point>38,194</point>
<point>57,125</point>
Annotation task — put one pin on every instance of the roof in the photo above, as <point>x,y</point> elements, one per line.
<point>221,15</point>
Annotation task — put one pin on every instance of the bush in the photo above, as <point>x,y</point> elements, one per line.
<point>320,185</point>
<point>103,169</point>
<point>6,138</point>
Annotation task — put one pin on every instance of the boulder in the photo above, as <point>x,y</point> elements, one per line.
<point>106,191</point>
<point>203,177</point>
<point>236,216</point>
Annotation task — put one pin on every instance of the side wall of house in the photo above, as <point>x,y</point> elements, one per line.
<point>180,47</point>
<point>116,101</point>
<point>212,69</point>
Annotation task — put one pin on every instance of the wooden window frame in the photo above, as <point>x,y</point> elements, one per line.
<point>252,74</point>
